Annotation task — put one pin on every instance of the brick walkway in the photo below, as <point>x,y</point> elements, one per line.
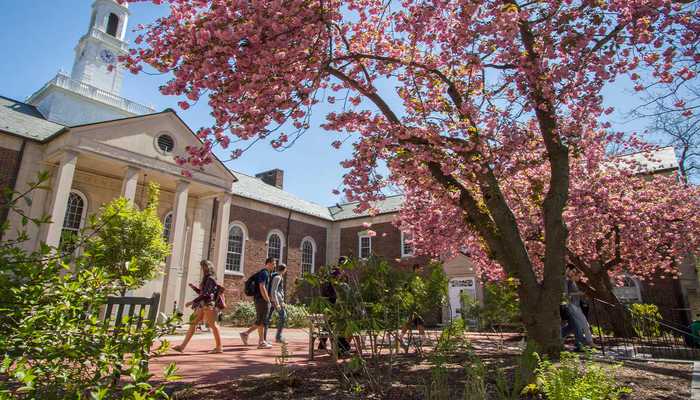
<point>196,366</point>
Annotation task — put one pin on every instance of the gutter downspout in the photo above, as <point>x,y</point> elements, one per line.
<point>286,237</point>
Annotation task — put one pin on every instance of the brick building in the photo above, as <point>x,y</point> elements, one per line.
<point>97,146</point>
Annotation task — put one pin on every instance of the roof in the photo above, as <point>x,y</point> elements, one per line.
<point>661,159</point>
<point>343,211</point>
<point>255,189</point>
<point>22,119</point>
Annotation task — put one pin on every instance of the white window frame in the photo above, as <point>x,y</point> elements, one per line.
<point>83,213</point>
<point>165,218</point>
<point>403,246</point>
<point>637,290</point>
<point>282,242</point>
<point>243,228</point>
<point>313,254</point>
<point>360,236</point>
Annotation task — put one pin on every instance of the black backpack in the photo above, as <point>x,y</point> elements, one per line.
<point>251,285</point>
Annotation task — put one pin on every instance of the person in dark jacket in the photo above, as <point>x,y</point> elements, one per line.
<point>328,291</point>
<point>204,306</point>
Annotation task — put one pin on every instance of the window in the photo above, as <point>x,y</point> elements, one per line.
<point>112,24</point>
<point>73,221</point>
<point>630,291</point>
<point>365,246</point>
<point>406,244</point>
<point>307,256</point>
<point>165,143</point>
<point>274,245</point>
<point>234,252</point>
<point>167,226</point>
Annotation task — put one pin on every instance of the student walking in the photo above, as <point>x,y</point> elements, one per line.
<point>277,297</point>
<point>261,295</point>
<point>205,307</point>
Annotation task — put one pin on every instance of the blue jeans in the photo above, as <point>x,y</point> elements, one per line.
<point>281,320</point>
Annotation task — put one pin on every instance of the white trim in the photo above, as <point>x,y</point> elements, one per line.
<point>165,217</point>
<point>403,246</point>
<point>158,149</point>
<point>360,236</point>
<point>282,243</point>
<point>313,253</point>
<point>624,290</point>
<point>83,214</point>
<point>244,230</point>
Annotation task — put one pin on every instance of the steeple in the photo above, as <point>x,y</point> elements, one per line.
<point>92,92</point>
<point>101,47</point>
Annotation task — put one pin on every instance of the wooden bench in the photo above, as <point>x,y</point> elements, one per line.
<point>134,308</point>
<point>318,329</point>
<point>139,311</point>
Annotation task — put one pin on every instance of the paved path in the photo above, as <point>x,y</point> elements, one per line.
<point>195,365</point>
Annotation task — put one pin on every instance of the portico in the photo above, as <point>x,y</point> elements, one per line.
<point>93,164</point>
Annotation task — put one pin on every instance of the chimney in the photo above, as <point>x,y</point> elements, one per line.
<point>273,177</point>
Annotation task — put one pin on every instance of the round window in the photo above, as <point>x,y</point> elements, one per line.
<point>165,143</point>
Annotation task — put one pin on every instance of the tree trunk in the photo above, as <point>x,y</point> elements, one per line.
<point>540,313</point>
<point>599,287</point>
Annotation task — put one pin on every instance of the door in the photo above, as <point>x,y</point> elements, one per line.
<point>457,286</point>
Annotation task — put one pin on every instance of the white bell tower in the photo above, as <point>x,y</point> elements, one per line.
<point>92,91</point>
<point>102,46</point>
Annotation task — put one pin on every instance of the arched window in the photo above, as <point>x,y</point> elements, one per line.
<point>112,24</point>
<point>236,249</point>
<point>274,245</point>
<point>308,250</point>
<point>167,226</point>
<point>74,219</point>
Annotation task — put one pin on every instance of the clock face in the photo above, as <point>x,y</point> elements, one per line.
<point>107,56</point>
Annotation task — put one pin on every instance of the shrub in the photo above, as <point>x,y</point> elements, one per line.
<point>52,342</point>
<point>576,379</point>
<point>243,314</point>
<point>645,319</point>
<point>128,243</point>
<point>501,305</point>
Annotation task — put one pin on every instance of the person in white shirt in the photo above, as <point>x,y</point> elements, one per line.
<point>277,297</point>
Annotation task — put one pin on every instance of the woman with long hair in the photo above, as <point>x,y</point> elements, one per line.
<point>204,307</point>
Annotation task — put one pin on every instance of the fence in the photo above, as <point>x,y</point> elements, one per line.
<point>644,337</point>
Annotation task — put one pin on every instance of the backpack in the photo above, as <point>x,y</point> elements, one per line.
<point>219,297</point>
<point>251,285</point>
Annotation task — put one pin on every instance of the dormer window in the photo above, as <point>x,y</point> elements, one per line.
<point>112,24</point>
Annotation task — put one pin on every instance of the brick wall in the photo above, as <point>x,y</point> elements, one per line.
<point>386,244</point>
<point>9,160</point>
<point>259,225</point>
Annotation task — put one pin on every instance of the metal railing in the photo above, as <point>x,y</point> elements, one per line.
<point>64,81</point>
<point>644,337</point>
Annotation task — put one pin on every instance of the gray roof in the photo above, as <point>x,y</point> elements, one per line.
<point>661,159</point>
<point>25,120</point>
<point>390,204</point>
<point>255,189</point>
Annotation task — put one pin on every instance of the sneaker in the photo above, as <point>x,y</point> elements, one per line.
<point>281,341</point>
<point>264,345</point>
<point>244,338</point>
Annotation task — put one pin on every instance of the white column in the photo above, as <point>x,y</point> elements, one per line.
<point>170,280</point>
<point>223,214</point>
<point>62,182</point>
<point>131,180</point>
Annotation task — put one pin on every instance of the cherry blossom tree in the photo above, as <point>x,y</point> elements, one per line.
<point>446,94</point>
<point>622,222</point>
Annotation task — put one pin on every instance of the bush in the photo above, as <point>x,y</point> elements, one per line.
<point>576,379</point>
<point>52,342</point>
<point>243,314</point>
<point>501,305</point>
<point>645,320</point>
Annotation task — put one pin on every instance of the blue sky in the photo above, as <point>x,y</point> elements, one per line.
<point>38,37</point>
